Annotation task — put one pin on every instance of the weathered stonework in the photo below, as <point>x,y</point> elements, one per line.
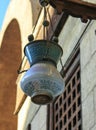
<point>40,119</point>
<point>88,77</point>
<point>25,16</point>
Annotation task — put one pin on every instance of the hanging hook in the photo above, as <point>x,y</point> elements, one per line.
<point>44,2</point>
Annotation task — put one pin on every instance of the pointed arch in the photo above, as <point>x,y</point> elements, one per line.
<point>10,58</point>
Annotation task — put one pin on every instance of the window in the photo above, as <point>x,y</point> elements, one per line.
<point>65,112</point>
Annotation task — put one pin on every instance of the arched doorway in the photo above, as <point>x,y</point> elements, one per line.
<point>10,58</point>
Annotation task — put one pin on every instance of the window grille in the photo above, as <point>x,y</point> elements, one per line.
<point>65,112</point>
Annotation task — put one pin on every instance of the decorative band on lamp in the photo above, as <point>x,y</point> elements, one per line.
<point>42,82</point>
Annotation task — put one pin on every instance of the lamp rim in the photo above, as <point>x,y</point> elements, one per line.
<point>50,42</point>
<point>43,93</point>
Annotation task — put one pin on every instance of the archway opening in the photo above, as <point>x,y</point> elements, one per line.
<point>10,58</point>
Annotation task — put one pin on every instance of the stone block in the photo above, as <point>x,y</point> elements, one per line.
<point>95,103</point>
<point>88,45</point>
<point>93,128</point>
<point>36,123</point>
<point>88,77</point>
<point>88,116</point>
<point>42,115</point>
<point>69,36</point>
<point>44,127</point>
<point>26,114</point>
<point>39,119</point>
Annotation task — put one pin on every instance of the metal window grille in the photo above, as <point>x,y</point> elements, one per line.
<point>65,112</point>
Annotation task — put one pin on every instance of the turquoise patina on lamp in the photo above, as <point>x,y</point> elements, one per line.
<point>42,82</point>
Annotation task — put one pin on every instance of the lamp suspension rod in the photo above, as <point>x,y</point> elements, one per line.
<point>50,20</point>
<point>44,27</point>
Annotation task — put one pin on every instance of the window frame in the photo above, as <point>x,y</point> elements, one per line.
<point>73,62</point>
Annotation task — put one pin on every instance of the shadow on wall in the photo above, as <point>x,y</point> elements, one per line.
<point>10,58</point>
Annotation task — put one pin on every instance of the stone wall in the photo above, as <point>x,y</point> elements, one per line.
<point>17,25</point>
<point>68,38</point>
<point>88,77</point>
<point>70,35</point>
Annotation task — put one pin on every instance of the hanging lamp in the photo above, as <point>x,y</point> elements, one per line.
<point>42,82</point>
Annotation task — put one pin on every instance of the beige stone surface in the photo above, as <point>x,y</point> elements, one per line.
<point>88,77</point>
<point>10,57</point>
<point>27,114</point>
<point>88,61</point>
<point>93,128</point>
<point>15,11</point>
<point>95,104</point>
<point>70,35</point>
<point>44,127</point>
<point>68,39</point>
<point>88,115</point>
<point>22,12</point>
<point>39,121</point>
<point>88,45</point>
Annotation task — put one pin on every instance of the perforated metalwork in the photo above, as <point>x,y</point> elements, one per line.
<point>65,111</point>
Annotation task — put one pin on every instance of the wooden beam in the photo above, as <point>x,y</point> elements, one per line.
<point>75,8</point>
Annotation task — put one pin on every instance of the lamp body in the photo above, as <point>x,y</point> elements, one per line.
<point>42,82</point>
<point>43,50</point>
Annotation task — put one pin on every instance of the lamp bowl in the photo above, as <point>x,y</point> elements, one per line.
<point>42,82</point>
<point>43,50</point>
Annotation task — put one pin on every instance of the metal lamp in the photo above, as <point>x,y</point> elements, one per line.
<point>42,82</point>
